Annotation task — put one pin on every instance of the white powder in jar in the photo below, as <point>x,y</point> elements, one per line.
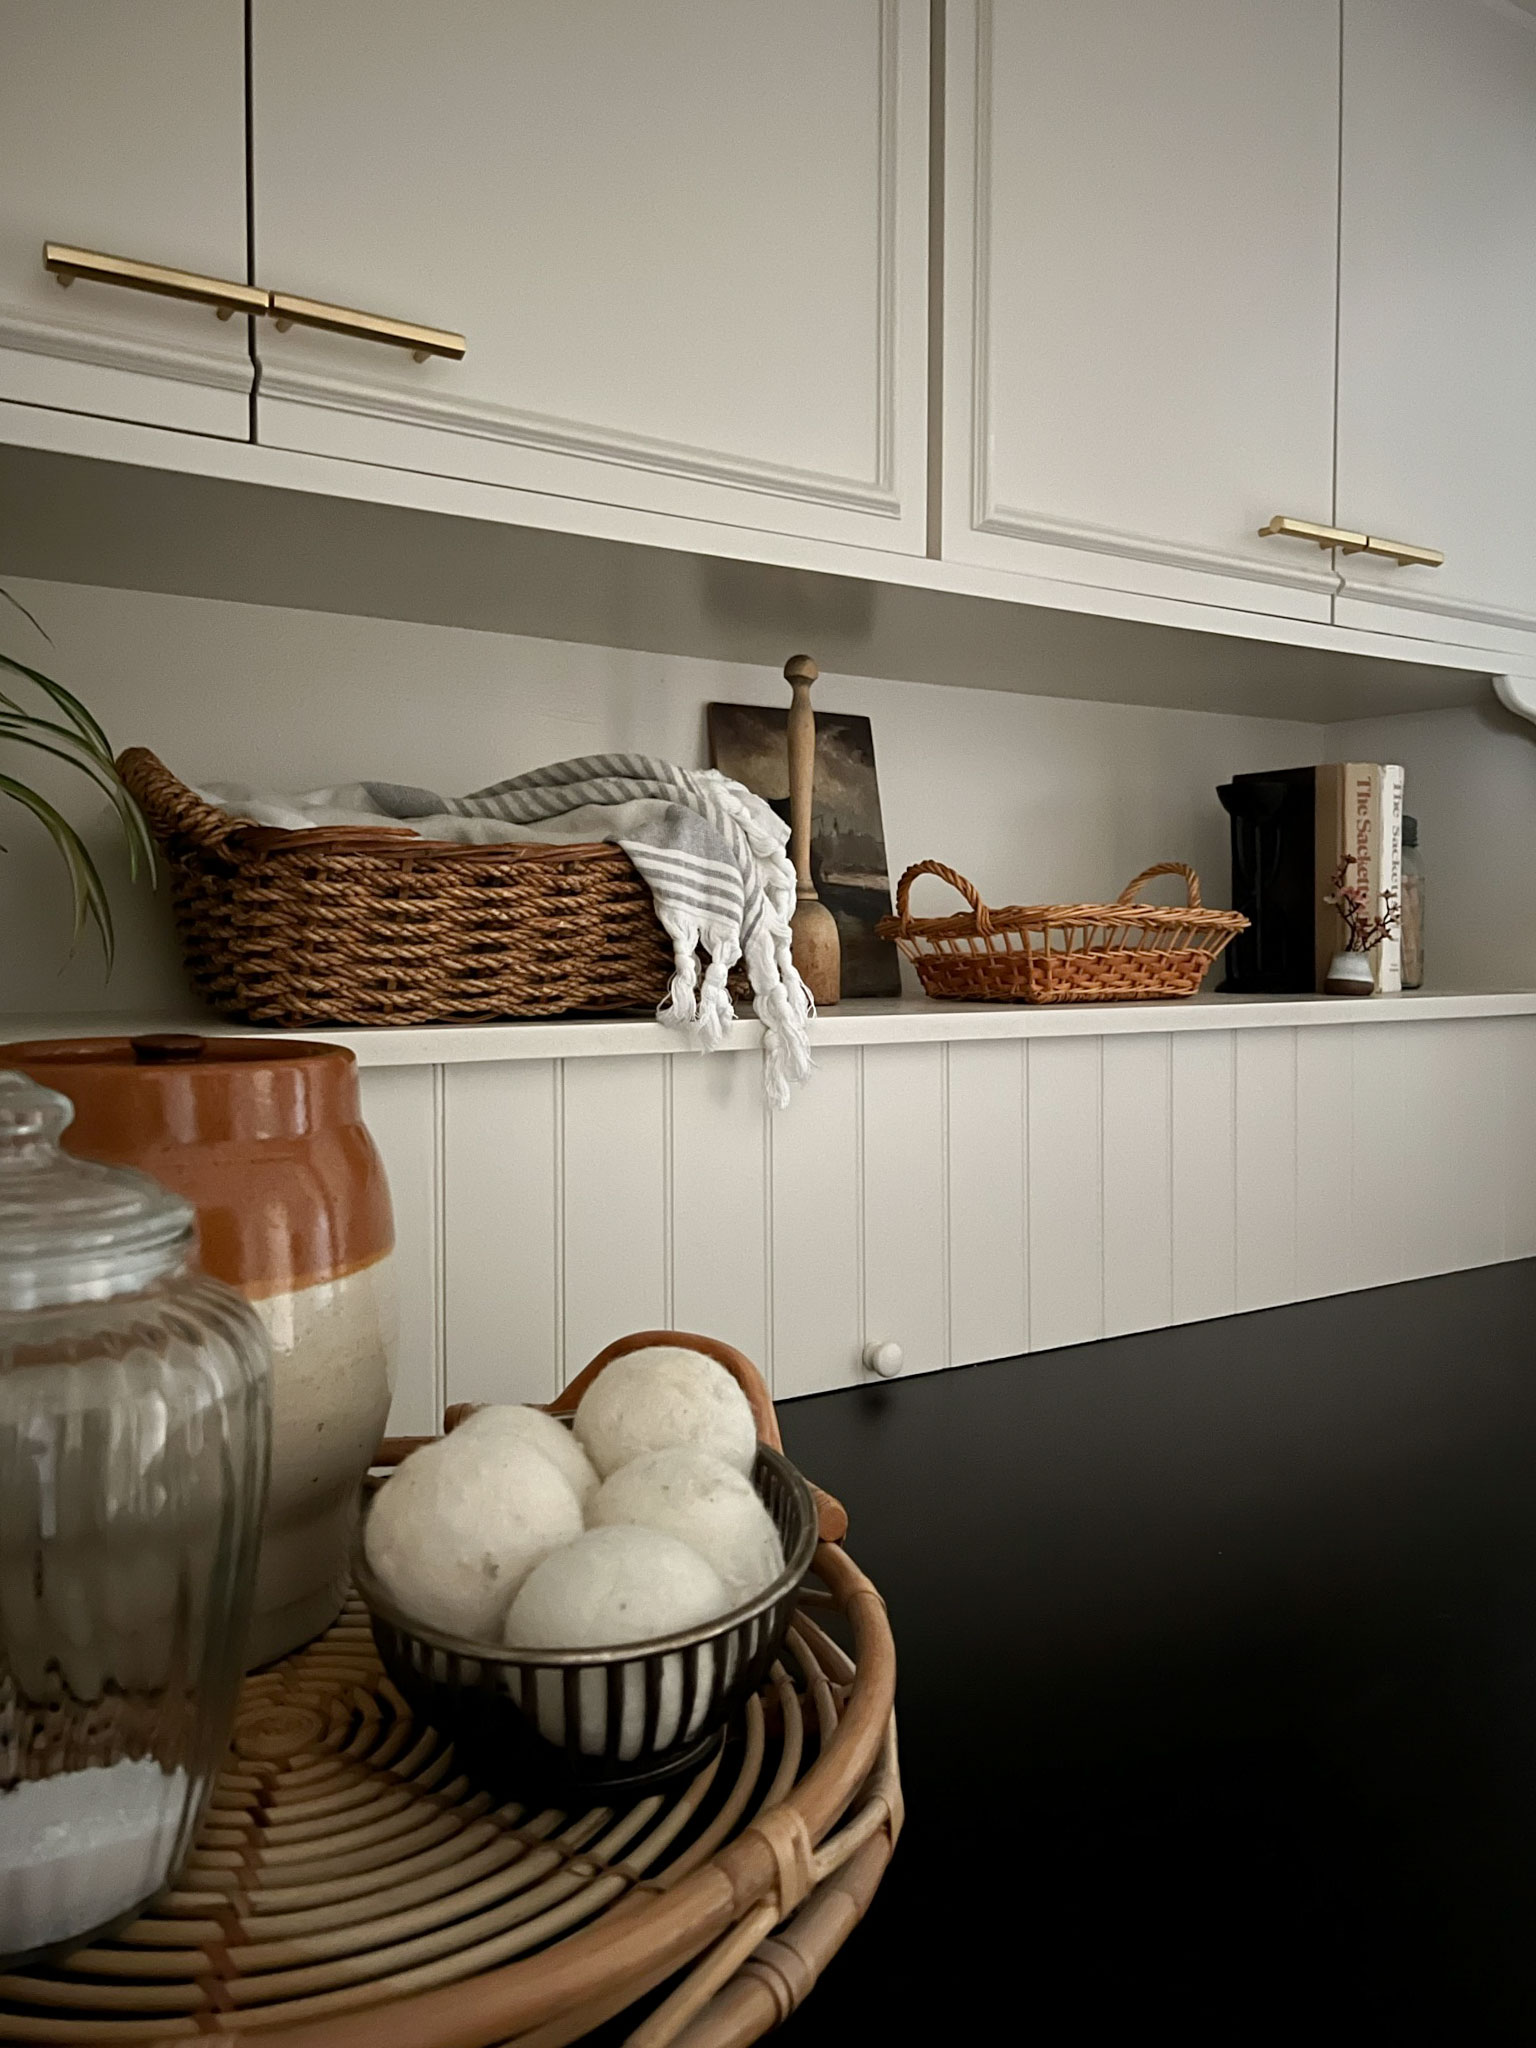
<point>84,1847</point>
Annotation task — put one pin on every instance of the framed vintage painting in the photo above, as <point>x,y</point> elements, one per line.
<point>749,743</point>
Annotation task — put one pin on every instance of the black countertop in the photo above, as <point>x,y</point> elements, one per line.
<point>1217,1690</point>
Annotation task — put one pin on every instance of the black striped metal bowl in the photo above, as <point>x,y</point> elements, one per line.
<point>600,1721</point>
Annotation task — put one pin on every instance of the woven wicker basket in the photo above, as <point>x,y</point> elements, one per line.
<point>1061,952</point>
<point>353,1887</point>
<point>355,925</point>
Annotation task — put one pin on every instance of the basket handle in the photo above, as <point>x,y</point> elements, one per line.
<point>169,806</point>
<point>1166,867</point>
<point>955,880</point>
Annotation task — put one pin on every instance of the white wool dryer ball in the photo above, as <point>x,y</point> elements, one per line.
<point>650,1400</point>
<point>531,1425</point>
<point>709,1505</point>
<point>455,1530</point>
<point>614,1585</point>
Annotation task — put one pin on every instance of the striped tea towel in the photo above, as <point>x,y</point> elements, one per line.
<point>712,854</point>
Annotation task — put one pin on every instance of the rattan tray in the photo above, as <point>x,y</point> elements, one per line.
<point>352,1888</point>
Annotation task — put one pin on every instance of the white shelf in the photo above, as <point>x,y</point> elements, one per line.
<point>902,1020</point>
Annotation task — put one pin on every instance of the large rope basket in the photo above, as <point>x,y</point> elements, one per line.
<point>363,925</point>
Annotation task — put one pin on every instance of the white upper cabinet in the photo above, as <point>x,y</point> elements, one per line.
<point>122,131</point>
<point>1437,316</point>
<point>1140,213</point>
<point>685,244</point>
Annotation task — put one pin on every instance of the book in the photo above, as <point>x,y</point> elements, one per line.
<point>1389,956</point>
<point>1358,812</point>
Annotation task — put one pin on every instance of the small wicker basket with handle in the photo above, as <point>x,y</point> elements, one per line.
<point>1062,952</point>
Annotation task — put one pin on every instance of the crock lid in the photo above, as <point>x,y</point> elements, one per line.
<point>134,1095</point>
<point>71,1230</point>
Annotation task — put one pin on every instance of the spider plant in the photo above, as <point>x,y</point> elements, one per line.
<point>60,725</point>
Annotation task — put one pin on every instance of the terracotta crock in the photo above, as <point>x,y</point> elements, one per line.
<point>266,1140</point>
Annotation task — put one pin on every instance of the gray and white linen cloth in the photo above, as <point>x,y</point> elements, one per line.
<point>713,855</point>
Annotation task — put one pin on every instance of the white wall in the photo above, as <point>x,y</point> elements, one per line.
<point>1471,783</point>
<point>1036,798</point>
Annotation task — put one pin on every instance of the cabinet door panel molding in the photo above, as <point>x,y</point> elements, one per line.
<point>609,213</point>
<point>1139,339</point>
<point>123,128</point>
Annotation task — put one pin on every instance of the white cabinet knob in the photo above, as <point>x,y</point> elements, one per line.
<point>885,1359</point>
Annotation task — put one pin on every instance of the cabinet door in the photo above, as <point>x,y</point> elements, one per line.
<point>685,243</point>
<point>1437,316</point>
<point>122,130</point>
<point>1141,236</point>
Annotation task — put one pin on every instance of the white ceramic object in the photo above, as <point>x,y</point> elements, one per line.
<point>1349,974</point>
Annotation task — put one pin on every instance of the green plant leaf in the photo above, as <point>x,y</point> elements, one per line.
<point>86,889</point>
<point>67,702</point>
<point>11,599</point>
<point>26,730</point>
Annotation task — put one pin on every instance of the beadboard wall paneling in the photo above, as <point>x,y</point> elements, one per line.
<point>1518,1123</point>
<point>721,1214</point>
<point>403,1108</point>
<point>1136,1125</point>
<point>1325,1099</point>
<point>903,1130</point>
<point>1264,1167</point>
<point>1380,1193</point>
<point>816,1246</point>
<point>502,1256</point>
<point>967,1201</point>
<point>617,1191</point>
<point>1066,1216</point>
<point>1202,1177</point>
<point>988,1200</point>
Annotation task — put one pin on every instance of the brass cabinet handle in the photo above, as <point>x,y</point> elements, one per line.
<point>422,342</point>
<point>1309,529</point>
<point>222,293</point>
<point>1402,552</point>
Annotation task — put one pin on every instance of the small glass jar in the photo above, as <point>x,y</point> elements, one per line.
<point>134,1442</point>
<point>1413,906</point>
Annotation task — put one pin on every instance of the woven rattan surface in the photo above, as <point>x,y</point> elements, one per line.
<point>353,1887</point>
<point>346,1860</point>
<point>357,926</point>
<point>1062,952</point>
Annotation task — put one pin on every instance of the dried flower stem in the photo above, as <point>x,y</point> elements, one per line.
<point>1351,900</point>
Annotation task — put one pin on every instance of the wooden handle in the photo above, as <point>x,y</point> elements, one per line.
<point>955,880</point>
<point>1166,867</point>
<point>800,672</point>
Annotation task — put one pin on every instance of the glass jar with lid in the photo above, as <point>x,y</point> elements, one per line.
<point>134,1443</point>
